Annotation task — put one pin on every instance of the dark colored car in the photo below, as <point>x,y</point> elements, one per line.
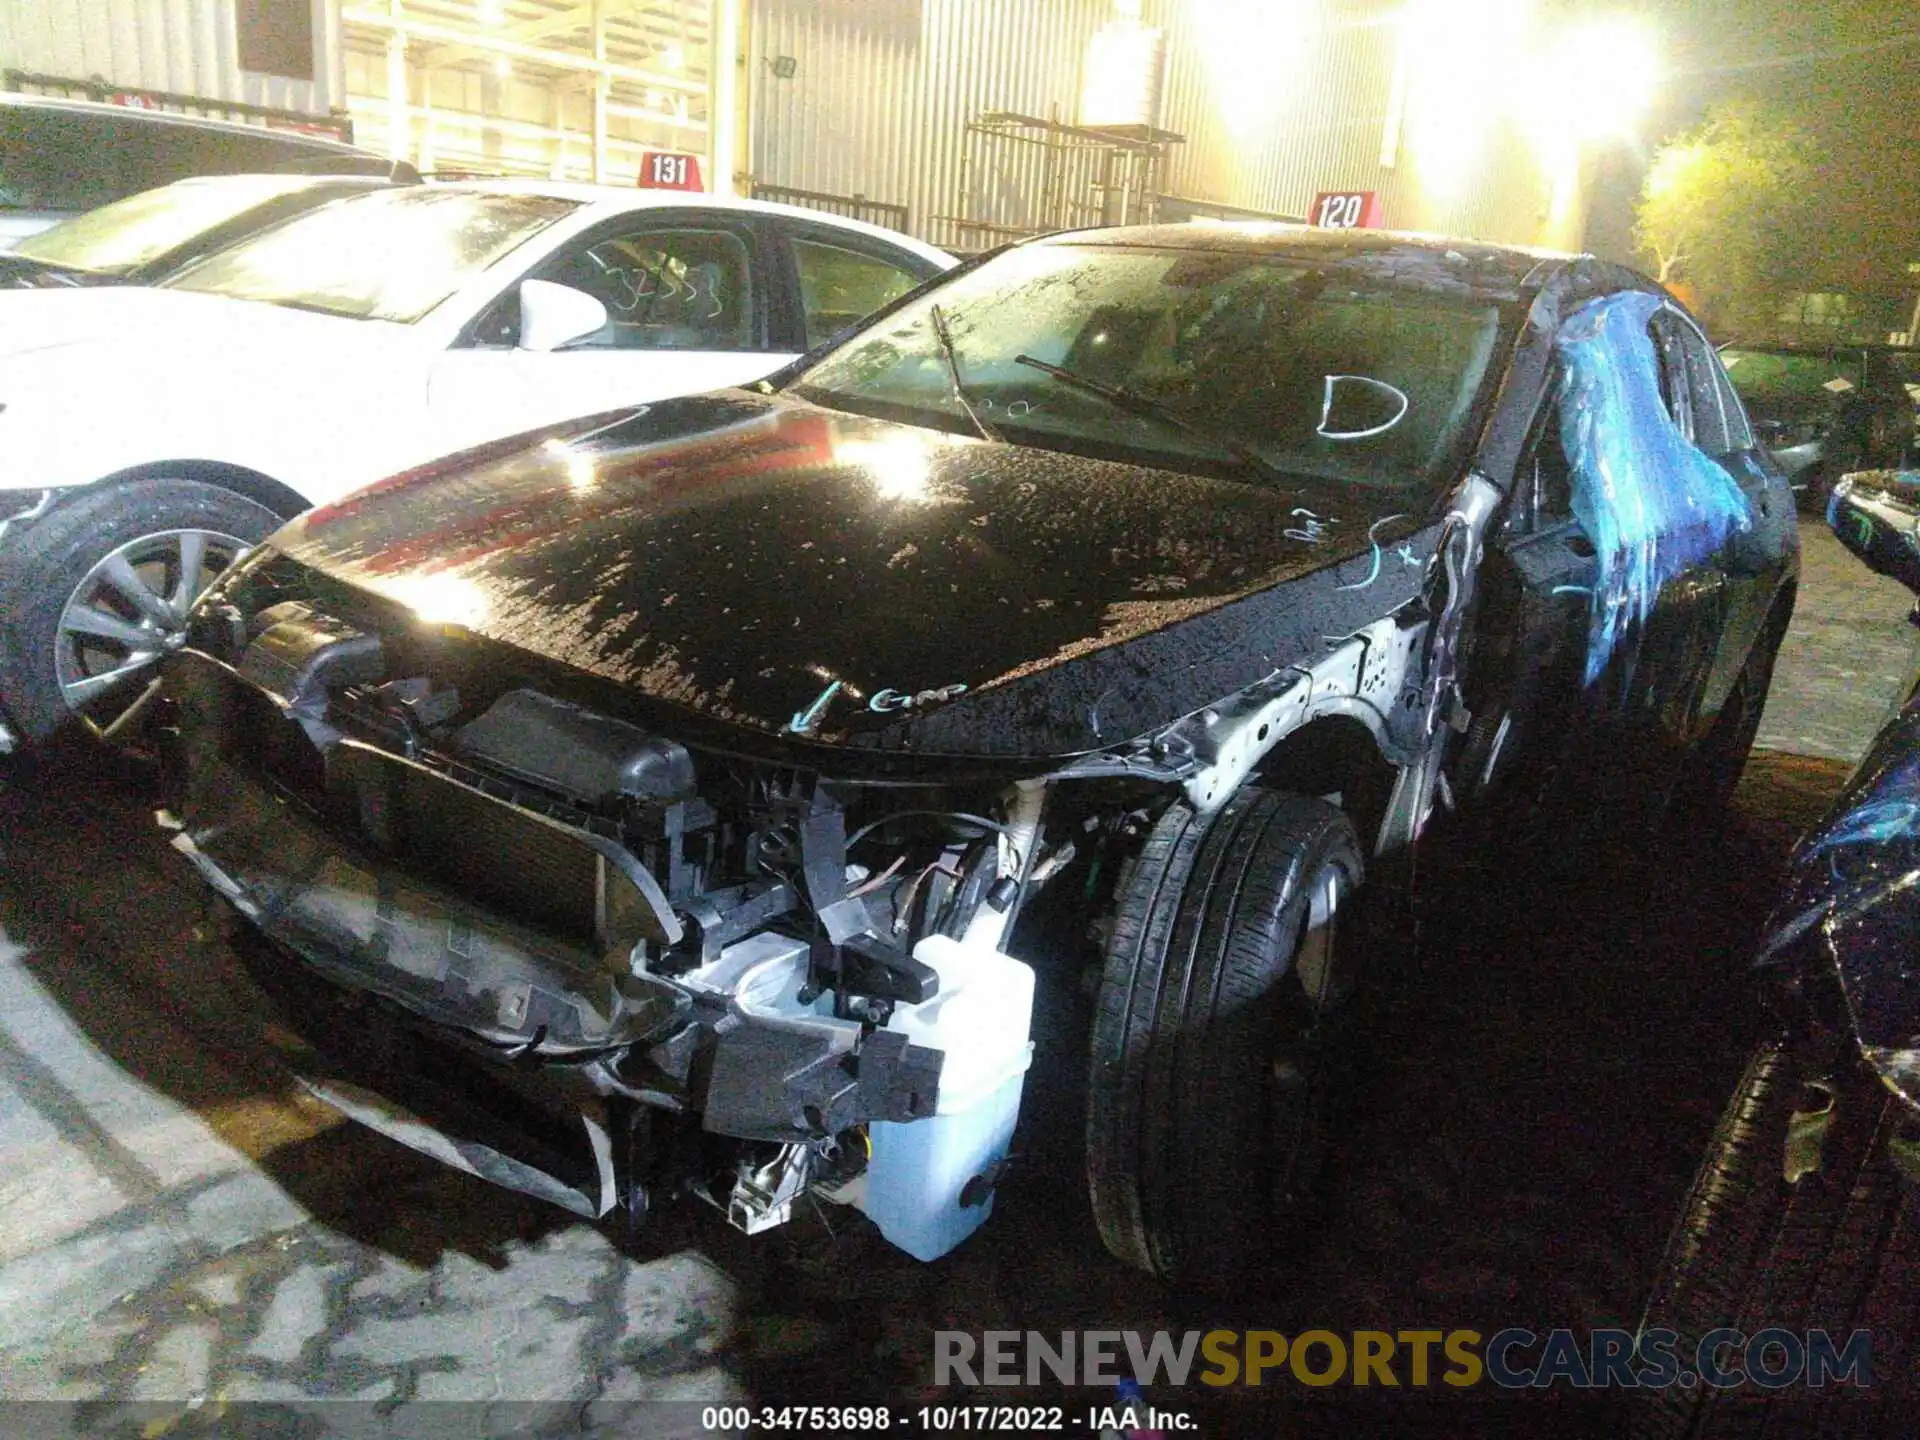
<point>658,802</point>
<point>1806,1210</point>
<point>1824,411</point>
<point>60,158</point>
<point>145,238</point>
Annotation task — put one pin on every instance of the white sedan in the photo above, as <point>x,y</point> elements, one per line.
<point>148,436</point>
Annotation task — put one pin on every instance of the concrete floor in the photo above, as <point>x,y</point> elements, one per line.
<point>1846,659</point>
<point>179,1225</point>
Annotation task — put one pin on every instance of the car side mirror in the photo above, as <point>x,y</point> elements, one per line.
<point>1876,515</point>
<point>555,315</point>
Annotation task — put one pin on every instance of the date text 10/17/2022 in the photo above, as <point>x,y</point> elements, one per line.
<point>1127,1418</point>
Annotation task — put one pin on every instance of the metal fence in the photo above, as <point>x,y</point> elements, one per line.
<point>66,87</point>
<point>1054,176</point>
<point>853,207</point>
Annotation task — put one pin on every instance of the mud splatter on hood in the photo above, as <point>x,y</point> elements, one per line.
<point>805,571</point>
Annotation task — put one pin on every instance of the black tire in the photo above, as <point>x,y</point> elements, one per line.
<point>1215,1076</point>
<point>1837,1250</point>
<point>49,559</point>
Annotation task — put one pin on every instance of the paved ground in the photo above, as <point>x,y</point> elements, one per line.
<point>178,1225</point>
<point>1845,659</point>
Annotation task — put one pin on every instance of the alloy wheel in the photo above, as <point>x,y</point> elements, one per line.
<point>129,611</point>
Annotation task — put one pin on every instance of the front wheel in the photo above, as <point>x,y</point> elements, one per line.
<point>1219,1051</point>
<point>97,592</point>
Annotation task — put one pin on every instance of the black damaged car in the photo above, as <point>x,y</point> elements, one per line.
<point>684,800</point>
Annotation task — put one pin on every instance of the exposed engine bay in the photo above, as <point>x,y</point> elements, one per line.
<point>630,968</point>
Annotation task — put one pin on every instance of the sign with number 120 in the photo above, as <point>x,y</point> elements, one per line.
<point>669,170</point>
<point>1346,210</point>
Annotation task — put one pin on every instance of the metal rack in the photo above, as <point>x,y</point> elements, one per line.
<point>67,87</point>
<point>1024,175</point>
<point>854,207</point>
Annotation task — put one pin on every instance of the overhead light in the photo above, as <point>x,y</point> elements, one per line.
<point>673,57</point>
<point>1589,84</point>
<point>503,67</point>
<point>491,12</point>
<point>1609,67</point>
<point>1460,55</point>
<point>1252,53</point>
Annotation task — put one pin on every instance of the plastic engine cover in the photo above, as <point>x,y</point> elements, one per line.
<point>589,757</point>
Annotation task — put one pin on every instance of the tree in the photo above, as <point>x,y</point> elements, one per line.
<point>1729,211</point>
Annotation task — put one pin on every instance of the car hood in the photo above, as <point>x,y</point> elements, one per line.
<point>142,324</point>
<point>846,580</point>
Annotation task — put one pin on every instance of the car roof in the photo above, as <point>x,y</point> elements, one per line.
<point>615,199</point>
<point>14,100</point>
<point>285,181</point>
<point>1478,262</point>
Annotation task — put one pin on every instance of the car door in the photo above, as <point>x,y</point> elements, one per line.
<point>687,295</point>
<point>835,278</point>
<point>1744,575</point>
<point>1620,588</point>
<point>1525,657</point>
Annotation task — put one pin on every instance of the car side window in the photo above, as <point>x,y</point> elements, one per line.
<point>1699,395</point>
<point>1715,429</point>
<point>665,288</point>
<point>1675,386</point>
<point>840,287</point>
<point>63,160</point>
<point>1739,431</point>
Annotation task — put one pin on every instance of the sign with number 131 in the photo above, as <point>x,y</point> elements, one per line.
<point>669,170</point>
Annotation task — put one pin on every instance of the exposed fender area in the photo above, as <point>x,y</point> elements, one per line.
<point>1440,710</point>
<point>1365,677</point>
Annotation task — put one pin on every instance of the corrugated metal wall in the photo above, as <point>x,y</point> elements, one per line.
<point>882,91</point>
<point>185,46</point>
<point>1277,99</point>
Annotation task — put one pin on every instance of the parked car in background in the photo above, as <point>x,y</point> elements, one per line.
<point>1824,411</point>
<point>1805,1212</point>
<point>685,800</point>
<point>60,158</point>
<point>146,237</point>
<point>150,435</point>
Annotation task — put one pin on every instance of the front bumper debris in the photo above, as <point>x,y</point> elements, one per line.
<point>468,975</point>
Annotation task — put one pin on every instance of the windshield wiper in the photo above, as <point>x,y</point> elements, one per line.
<point>1135,403</point>
<point>945,337</point>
